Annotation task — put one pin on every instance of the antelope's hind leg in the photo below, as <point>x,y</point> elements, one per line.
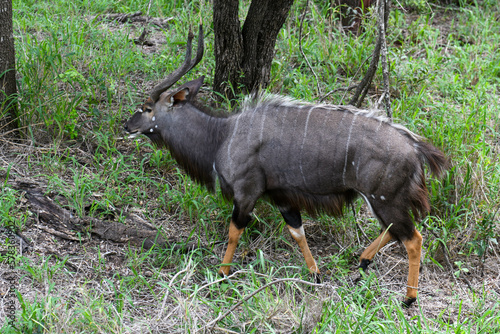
<point>369,253</point>
<point>294,224</point>
<point>400,227</point>
<point>414,249</point>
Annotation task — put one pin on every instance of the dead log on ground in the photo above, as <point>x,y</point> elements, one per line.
<point>136,17</point>
<point>58,221</point>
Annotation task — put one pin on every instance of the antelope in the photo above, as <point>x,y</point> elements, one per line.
<point>298,156</point>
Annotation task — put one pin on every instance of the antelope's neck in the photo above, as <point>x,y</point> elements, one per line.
<point>194,141</point>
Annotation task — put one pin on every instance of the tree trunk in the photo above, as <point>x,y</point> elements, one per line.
<point>228,46</point>
<point>243,56</point>
<point>8,89</point>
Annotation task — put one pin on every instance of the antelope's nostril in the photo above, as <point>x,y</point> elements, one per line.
<point>129,130</point>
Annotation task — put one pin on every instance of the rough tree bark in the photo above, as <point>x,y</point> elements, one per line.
<point>8,89</point>
<point>243,55</point>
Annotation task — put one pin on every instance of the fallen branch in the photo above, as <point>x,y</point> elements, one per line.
<point>60,222</point>
<point>136,17</point>
<point>121,17</point>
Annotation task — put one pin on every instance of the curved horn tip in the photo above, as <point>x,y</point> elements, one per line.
<point>184,68</point>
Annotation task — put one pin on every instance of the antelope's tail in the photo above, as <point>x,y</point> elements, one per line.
<point>434,158</point>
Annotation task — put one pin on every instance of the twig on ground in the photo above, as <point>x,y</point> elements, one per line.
<point>212,323</point>
<point>164,303</point>
<point>119,17</point>
<point>216,282</point>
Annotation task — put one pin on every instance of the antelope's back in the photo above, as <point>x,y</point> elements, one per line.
<point>317,149</point>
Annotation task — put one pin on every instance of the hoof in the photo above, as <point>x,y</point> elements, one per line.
<point>363,265</point>
<point>317,278</point>
<point>407,302</point>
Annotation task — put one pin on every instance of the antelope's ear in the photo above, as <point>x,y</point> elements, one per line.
<point>193,87</point>
<point>186,92</point>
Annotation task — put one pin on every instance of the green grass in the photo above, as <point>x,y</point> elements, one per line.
<point>81,77</point>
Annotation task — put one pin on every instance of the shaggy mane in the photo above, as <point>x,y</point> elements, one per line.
<point>274,100</point>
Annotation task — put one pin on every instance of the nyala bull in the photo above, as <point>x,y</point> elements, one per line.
<point>299,156</point>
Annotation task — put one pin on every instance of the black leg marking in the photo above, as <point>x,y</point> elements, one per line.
<point>240,219</point>
<point>292,217</point>
<point>364,264</point>
<point>317,278</point>
<point>407,302</point>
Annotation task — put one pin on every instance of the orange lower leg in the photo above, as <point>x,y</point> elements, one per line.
<point>376,245</point>
<point>299,236</point>
<point>414,249</point>
<point>234,237</point>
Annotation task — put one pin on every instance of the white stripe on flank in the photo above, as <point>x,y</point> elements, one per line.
<point>250,129</point>
<point>368,203</point>
<point>230,143</point>
<point>303,142</point>
<point>379,125</point>
<point>347,148</point>
<point>261,136</point>
<point>282,127</point>
<point>357,170</point>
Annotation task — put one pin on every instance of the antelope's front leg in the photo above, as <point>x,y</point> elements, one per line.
<point>294,224</point>
<point>238,223</point>
<point>234,236</point>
